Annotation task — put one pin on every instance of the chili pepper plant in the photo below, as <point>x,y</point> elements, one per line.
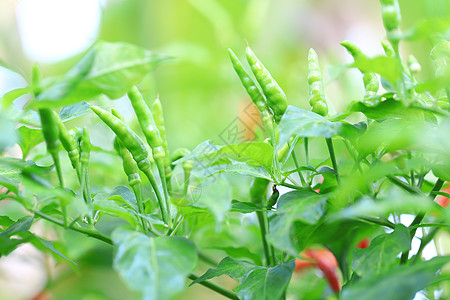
<point>311,208</point>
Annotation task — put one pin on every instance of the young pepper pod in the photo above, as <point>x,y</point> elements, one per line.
<point>69,143</point>
<point>248,83</point>
<point>158,115</point>
<point>317,98</point>
<point>276,98</point>
<point>274,198</point>
<point>137,148</point>
<point>390,13</point>
<point>370,79</point>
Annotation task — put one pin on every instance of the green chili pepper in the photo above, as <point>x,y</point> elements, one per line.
<point>69,144</point>
<point>248,83</point>
<point>151,132</point>
<point>413,65</point>
<point>158,115</point>
<point>390,13</point>
<point>370,79</point>
<point>276,98</point>
<point>48,123</point>
<point>317,98</point>
<point>258,192</point>
<point>371,85</point>
<point>137,148</point>
<point>388,49</point>
<point>274,198</point>
<point>85,153</point>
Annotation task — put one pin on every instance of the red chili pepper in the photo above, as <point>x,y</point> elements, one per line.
<point>443,200</point>
<point>364,243</point>
<point>322,259</point>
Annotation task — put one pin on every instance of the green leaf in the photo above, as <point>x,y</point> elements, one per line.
<point>245,207</point>
<point>399,283</point>
<point>304,123</point>
<point>43,244</point>
<point>111,208</point>
<point>388,67</point>
<point>387,109</point>
<point>12,95</point>
<point>22,224</point>
<point>382,252</point>
<point>215,195</point>
<point>233,268</point>
<point>106,68</point>
<point>8,136</point>
<point>296,206</point>
<point>265,283</point>
<point>390,135</point>
<point>240,252</point>
<point>29,138</point>
<point>157,267</point>
<point>73,111</point>
<point>394,201</point>
<point>254,154</point>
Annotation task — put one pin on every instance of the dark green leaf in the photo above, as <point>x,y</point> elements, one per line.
<point>399,283</point>
<point>157,267</point>
<point>387,109</point>
<point>382,252</point>
<point>240,252</point>
<point>245,207</point>
<point>233,268</point>
<point>265,283</point>
<point>296,206</point>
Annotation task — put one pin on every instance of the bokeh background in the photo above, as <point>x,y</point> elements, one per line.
<point>200,93</point>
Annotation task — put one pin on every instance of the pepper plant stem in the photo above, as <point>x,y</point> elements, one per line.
<point>162,206</point>
<point>418,219</point>
<point>214,287</point>
<point>333,157</point>
<point>104,238</point>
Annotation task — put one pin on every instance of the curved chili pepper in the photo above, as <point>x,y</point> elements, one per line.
<point>317,98</point>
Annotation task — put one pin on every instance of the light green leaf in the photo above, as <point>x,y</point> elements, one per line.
<point>388,67</point>
<point>265,283</point>
<point>29,138</point>
<point>304,123</point>
<point>240,252</point>
<point>106,68</point>
<point>295,206</point>
<point>399,283</point>
<point>8,136</point>
<point>73,111</point>
<point>382,252</point>
<point>156,267</point>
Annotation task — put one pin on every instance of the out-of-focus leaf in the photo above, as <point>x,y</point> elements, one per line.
<point>388,67</point>
<point>106,68</point>
<point>245,207</point>
<point>401,282</point>
<point>394,201</point>
<point>382,252</point>
<point>10,96</point>
<point>156,267</point>
<point>296,206</point>
<point>253,153</point>
<point>240,252</point>
<point>73,111</point>
<point>391,134</point>
<point>8,136</point>
<point>387,109</point>
<point>29,138</point>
